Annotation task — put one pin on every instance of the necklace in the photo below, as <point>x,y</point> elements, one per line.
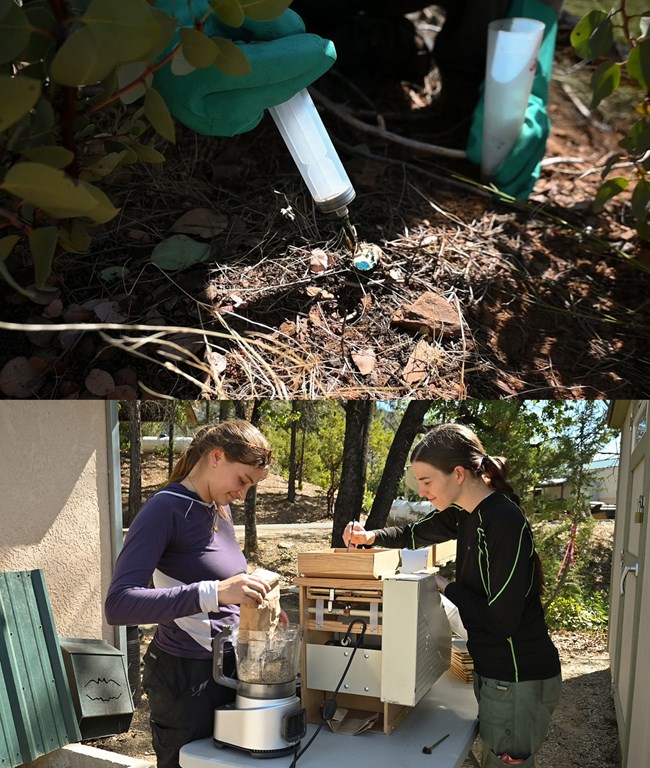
<point>211,508</point>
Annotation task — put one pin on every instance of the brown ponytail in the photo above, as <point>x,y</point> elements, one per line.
<point>447,446</point>
<point>238,439</point>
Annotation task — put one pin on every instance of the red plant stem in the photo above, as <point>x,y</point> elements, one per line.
<point>15,222</point>
<point>68,110</point>
<point>626,23</point>
<point>126,88</point>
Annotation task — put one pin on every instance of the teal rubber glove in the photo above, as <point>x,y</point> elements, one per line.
<point>283,58</point>
<point>518,173</point>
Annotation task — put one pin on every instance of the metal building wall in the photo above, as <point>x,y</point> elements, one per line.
<point>36,710</point>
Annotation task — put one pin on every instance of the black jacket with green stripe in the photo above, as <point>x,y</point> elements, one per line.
<point>497,590</point>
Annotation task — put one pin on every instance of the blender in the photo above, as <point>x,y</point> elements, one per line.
<point>266,718</point>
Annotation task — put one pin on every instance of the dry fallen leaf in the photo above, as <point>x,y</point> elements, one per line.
<point>126,376</point>
<point>42,339</point>
<point>314,292</point>
<point>423,359</point>
<point>365,360</point>
<point>318,261</point>
<point>201,222</point>
<point>99,382</point>
<point>109,312</point>
<point>20,377</point>
<point>43,295</point>
<point>53,309</point>
<point>122,392</point>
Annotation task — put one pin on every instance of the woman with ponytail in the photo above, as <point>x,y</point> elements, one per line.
<point>182,569</point>
<point>497,590</point>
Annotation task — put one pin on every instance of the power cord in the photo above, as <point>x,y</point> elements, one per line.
<point>328,706</point>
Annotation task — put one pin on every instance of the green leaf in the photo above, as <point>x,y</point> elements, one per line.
<point>637,141</point>
<point>42,243</point>
<point>17,97</point>
<point>103,166</point>
<point>43,118</point>
<point>147,154</point>
<point>103,210</point>
<point>81,61</point>
<point>158,115</point>
<point>638,64</point>
<point>593,35</point>
<point>180,65</point>
<point>198,48</point>
<point>640,199</point>
<point>15,31</point>
<point>179,252</point>
<point>127,30</point>
<point>643,229</point>
<point>167,27</point>
<point>129,73</point>
<point>48,188</point>
<point>53,155</point>
<point>5,7</point>
<point>608,190</point>
<point>229,11</point>
<point>264,10</point>
<point>44,22</point>
<point>7,245</point>
<point>74,236</point>
<point>605,79</point>
<point>230,58</point>
<point>111,274</point>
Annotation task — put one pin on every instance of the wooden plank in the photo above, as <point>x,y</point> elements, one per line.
<point>338,626</point>
<point>353,564</point>
<point>339,584</point>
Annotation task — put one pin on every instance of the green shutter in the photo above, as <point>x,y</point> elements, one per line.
<point>36,711</point>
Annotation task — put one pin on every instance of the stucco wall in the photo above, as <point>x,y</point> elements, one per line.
<point>55,512</point>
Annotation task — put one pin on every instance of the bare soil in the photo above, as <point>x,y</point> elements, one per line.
<point>552,297</point>
<point>583,731</point>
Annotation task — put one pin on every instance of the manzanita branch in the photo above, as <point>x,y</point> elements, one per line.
<point>140,79</point>
<point>626,23</point>
<point>15,222</point>
<point>68,108</point>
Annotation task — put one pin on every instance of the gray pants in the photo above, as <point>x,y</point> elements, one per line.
<point>514,717</point>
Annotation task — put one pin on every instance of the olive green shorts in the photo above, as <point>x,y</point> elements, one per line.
<point>514,717</point>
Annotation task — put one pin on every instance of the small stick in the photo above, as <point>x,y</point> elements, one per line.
<point>429,750</point>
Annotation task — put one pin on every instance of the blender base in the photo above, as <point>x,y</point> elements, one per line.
<point>264,728</point>
<point>268,753</point>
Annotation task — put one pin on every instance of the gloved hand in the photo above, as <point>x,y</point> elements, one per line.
<point>520,170</point>
<point>283,58</point>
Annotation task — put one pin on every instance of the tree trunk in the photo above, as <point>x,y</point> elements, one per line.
<point>135,462</point>
<point>250,522</point>
<point>291,483</point>
<point>301,461</point>
<point>226,410</point>
<point>170,433</point>
<point>349,500</point>
<point>250,502</point>
<point>397,456</point>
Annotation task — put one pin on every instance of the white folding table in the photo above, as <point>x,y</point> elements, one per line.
<point>448,708</point>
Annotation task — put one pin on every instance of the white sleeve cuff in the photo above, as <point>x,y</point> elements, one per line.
<point>209,596</point>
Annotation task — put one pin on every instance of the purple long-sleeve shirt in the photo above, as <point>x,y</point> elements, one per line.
<point>173,542</point>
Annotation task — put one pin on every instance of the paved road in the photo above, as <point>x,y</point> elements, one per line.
<point>288,527</point>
